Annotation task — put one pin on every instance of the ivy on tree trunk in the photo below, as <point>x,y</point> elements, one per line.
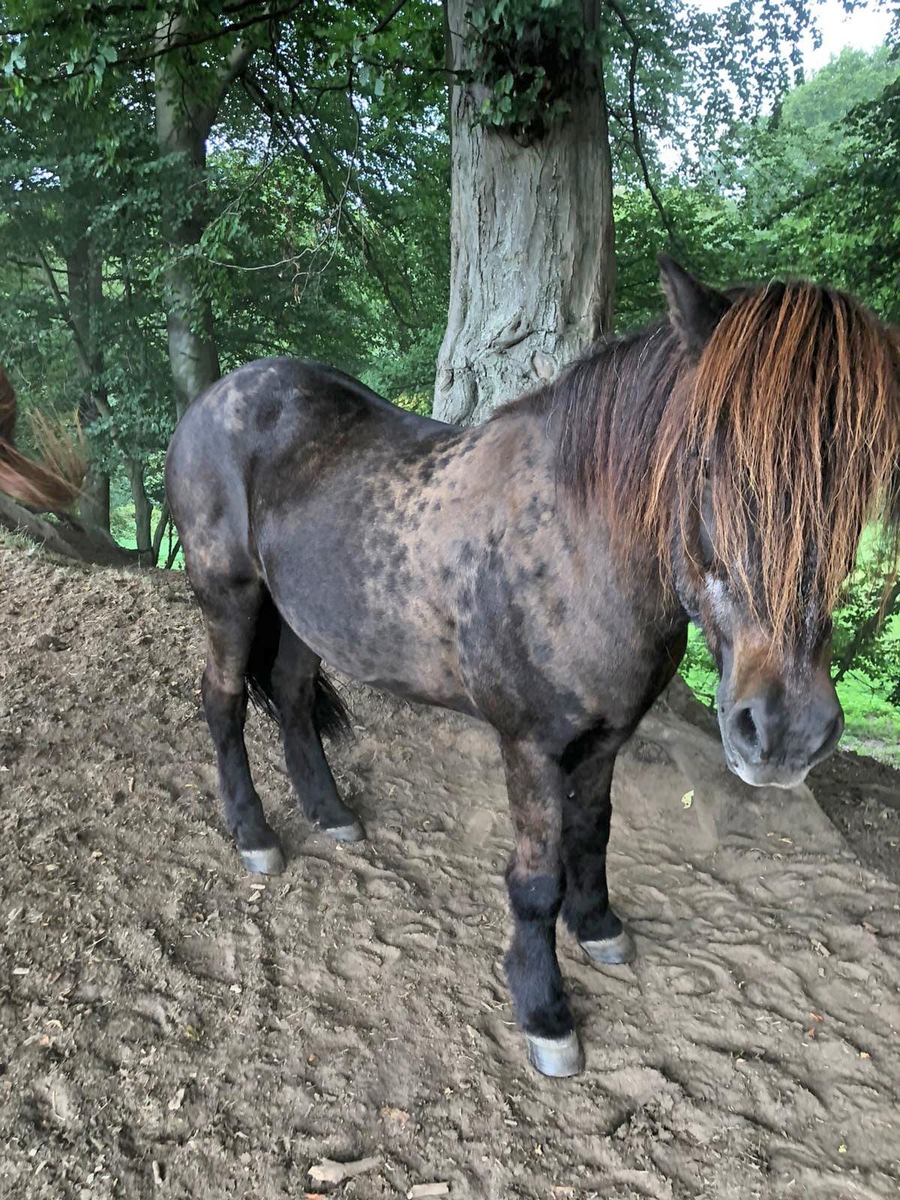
<point>532,268</point>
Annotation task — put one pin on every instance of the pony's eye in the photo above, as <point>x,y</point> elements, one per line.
<point>707,551</point>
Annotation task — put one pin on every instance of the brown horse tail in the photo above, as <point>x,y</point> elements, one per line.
<point>330,715</point>
<point>52,484</point>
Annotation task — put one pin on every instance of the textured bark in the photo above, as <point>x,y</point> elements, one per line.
<point>532,269</point>
<point>188,98</point>
<point>84,275</point>
<point>94,502</point>
<point>143,509</point>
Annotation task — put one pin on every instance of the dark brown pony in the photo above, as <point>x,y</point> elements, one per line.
<point>54,485</point>
<point>540,571</point>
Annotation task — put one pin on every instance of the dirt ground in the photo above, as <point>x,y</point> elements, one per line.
<point>173,1027</point>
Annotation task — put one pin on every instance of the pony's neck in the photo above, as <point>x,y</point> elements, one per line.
<point>604,414</point>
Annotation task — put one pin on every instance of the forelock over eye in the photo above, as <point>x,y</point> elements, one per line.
<point>706,527</point>
<point>707,552</point>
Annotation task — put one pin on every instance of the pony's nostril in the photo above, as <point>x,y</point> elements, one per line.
<point>831,739</point>
<point>745,727</point>
<point>746,736</point>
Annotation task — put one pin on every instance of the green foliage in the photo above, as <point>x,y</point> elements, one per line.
<point>811,190</point>
<point>528,59</point>
<point>713,240</point>
<point>669,66</point>
<point>816,183</point>
<point>324,212</point>
<point>407,376</point>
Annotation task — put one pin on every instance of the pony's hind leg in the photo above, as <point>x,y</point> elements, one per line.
<point>307,707</point>
<point>230,610</point>
<point>586,910</point>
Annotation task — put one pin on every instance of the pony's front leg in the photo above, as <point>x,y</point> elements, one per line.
<point>587,810</point>
<point>534,880</point>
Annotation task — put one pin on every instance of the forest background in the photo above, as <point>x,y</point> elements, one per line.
<point>185,187</point>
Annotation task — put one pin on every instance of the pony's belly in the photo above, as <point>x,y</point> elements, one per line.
<point>398,656</point>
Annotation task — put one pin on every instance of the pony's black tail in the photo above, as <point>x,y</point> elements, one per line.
<point>263,653</point>
<point>330,715</point>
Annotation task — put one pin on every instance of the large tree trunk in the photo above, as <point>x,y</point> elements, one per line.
<point>84,273</point>
<point>94,502</point>
<point>182,126</point>
<point>533,267</point>
<point>188,97</point>
<point>143,509</point>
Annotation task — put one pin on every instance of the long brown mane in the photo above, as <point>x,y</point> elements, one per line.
<point>790,420</point>
<point>51,485</point>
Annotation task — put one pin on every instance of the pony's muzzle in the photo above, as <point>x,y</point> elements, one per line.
<point>774,738</point>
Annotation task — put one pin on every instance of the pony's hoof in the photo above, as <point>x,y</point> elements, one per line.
<point>612,952</point>
<point>353,832</point>
<point>557,1057</point>
<point>267,860</point>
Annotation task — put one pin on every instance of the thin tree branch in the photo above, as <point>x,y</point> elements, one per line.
<point>165,518</point>
<point>235,64</point>
<point>386,20</point>
<point>80,15</point>
<point>636,138</point>
<point>65,312</point>
<point>173,554</point>
<point>164,47</point>
<point>268,105</point>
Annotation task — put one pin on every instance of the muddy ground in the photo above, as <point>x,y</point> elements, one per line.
<point>173,1027</point>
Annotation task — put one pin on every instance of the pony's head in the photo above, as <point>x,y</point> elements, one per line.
<point>779,442</point>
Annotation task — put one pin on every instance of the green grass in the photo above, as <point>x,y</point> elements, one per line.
<point>872,723</point>
<point>122,528</point>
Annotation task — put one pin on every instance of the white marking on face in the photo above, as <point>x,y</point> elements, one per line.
<point>810,622</point>
<point>718,599</point>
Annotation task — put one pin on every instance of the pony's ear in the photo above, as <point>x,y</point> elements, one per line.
<point>694,309</point>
